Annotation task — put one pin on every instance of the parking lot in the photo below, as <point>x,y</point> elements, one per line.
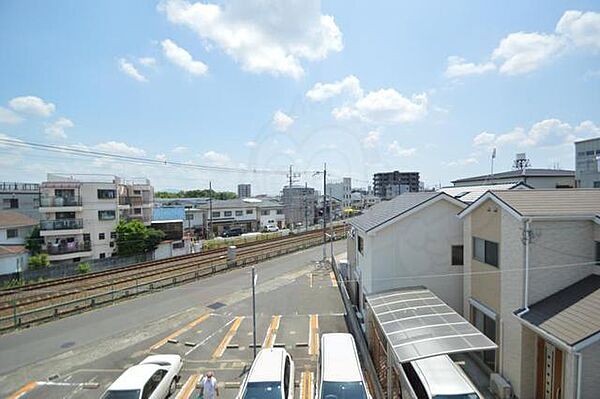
<point>291,312</point>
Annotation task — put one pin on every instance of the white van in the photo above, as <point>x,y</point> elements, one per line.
<point>441,378</point>
<point>270,377</point>
<point>340,374</point>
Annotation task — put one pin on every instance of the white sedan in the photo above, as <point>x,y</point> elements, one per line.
<point>155,377</point>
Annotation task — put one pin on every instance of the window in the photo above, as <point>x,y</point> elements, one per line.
<point>107,194</point>
<point>153,383</point>
<point>189,216</point>
<point>113,234</point>
<point>137,211</point>
<point>227,213</point>
<point>112,244</point>
<point>137,192</point>
<point>286,377</point>
<point>457,255</point>
<point>101,236</point>
<point>65,215</point>
<point>12,233</point>
<point>264,212</point>
<point>486,251</point>
<point>178,245</point>
<point>598,253</point>
<point>597,184</point>
<point>280,211</point>
<point>580,153</point>
<point>249,211</point>
<point>107,215</point>
<point>487,326</point>
<point>239,213</point>
<point>10,203</point>
<point>361,245</point>
<point>102,255</point>
<point>216,214</point>
<point>589,152</point>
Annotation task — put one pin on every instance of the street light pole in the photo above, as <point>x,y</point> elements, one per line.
<point>254,310</point>
<point>209,232</point>
<point>324,210</point>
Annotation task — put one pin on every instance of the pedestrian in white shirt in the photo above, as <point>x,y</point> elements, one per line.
<point>208,386</point>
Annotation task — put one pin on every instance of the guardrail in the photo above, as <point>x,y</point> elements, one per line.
<point>61,224</point>
<point>120,290</point>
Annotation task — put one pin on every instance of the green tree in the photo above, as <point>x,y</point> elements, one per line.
<point>39,261</point>
<point>222,195</point>
<point>134,238</point>
<point>34,241</point>
<point>84,268</point>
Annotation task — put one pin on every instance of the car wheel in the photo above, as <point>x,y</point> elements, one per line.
<point>172,387</point>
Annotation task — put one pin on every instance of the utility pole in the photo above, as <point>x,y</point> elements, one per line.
<point>324,209</point>
<point>209,232</point>
<point>305,207</point>
<point>254,310</point>
<point>331,224</point>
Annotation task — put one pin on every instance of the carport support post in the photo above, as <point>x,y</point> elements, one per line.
<point>253,312</point>
<point>390,366</point>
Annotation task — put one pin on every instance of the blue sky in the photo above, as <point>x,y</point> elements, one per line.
<point>363,86</point>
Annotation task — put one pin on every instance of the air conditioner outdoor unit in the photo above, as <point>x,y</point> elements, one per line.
<point>500,387</point>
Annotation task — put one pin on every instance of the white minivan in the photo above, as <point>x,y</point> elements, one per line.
<point>270,377</point>
<point>441,378</point>
<point>340,374</point>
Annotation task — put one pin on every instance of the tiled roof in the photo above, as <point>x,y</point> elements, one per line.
<point>556,202</point>
<point>15,219</point>
<point>572,314</point>
<point>11,249</point>
<point>386,210</point>
<point>530,172</point>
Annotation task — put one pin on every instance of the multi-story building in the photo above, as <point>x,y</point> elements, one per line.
<point>535,178</point>
<point>587,163</point>
<point>385,184</point>
<point>341,191</point>
<point>531,285</point>
<point>299,205</point>
<point>20,197</point>
<point>244,190</point>
<point>15,227</point>
<point>79,215</point>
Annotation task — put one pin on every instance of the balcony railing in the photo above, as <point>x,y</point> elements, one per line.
<point>61,224</point>
<point>67,248</point>
<point>15,186</point>
<point>50,201</point>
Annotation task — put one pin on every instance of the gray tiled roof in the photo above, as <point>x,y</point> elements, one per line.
<point>572,314</point>
<point>530,172</point>
<point>555,202</point>
<point>386,210</point>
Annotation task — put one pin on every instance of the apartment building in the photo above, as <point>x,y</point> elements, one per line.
<point>299,205</point>
<point>587,163</point>
<point>20,197</point>
<point>531,285</point>
<point>244,190</point>
<point>387,185</point>
<point>341,191</point>
<point>534,178</point>
<point>80,213</point>
<point>15,227</point>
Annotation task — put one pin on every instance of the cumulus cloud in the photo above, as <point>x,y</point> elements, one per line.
<point>385,106</point>
<point>524,52</point>
<point>130,70</point>
<point>281,121</point>
<point>115,147</point>
<point>32,105</point>
<point>545,133</point>
<point>9,117</point>
<point>396,149</point>
<point>251,144</point>
<point>458,67</point>
<point>147,61</point>
<point>322,91</point>
<point>182,58</point>
<point>179,149</point>
<point>371,140</point>
<point>56,129</point>
<point>263,36</point>
<point>216,159</point>
<point>463,162</point>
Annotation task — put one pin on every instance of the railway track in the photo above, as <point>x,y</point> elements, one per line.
<point>44,295</point>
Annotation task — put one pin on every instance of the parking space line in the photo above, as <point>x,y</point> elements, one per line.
<point>272,332</point>
<point>313,335</point>
<point>180,331</point>
<point>188,387</point>
<point>30,386</point>
<point>311,280</point>
<point>306,385</point>
<point>228,337</point>
<point>333,279</point>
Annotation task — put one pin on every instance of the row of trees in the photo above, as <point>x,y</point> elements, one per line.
<point>220,195</point>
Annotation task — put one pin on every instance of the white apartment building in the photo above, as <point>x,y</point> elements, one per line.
<point>341,191</point>
<point>587,163</point>
<point>79,214</point>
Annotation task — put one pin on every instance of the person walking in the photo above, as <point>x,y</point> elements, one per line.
<point>208,386</point>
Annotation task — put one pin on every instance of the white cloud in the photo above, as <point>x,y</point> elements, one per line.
<point>32,105</point>
<point>56,129</point>
<point>463,162</point>
<point>161,157</point>
<point>179,149</point>
<point>371,139</point>
<point>581,28</point>
<point>523,52</point>
<point>281,122</point>
<point>128,69</point>
<point>147,61</point>
<point>385,106</point>
<point>120,148</point>
<point>216,159</point>
<point>9,117</point>
<point>288,151</point>
<point>264,36</point>
<point>251,144</point>
<point>180,57</point>
<point>396,149</point>
<point>458,67</point>
<point>322,91</point>
<point>545,133</point>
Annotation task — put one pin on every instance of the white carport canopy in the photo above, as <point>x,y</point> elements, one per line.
<point>417,324</point>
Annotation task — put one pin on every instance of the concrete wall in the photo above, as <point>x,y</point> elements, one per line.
<point>24,232</point>
<point>416,250</point>
<point>91,222</point>
<point>13,263</point>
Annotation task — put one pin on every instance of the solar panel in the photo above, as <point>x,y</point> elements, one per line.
<point>417,324</point>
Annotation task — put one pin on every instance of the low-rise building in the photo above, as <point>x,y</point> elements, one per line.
<point>341,191</point>
<point>15,228</point>
<point>535,178</point>
<point>587,163</point>
<point>20,197</point>
<point>531,286</point>
<point>299,205</point>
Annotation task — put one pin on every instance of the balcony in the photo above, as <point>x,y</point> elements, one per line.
<point>61,227</point>
<point>51,202</point>
<point>68,247</point>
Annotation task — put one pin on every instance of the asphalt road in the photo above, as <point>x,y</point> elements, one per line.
<point>294,299</point>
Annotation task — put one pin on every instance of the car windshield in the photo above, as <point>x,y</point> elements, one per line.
<point>122,394</point>
<point>461,396</point>
<point>343,390</point>
<point>263,390</point>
